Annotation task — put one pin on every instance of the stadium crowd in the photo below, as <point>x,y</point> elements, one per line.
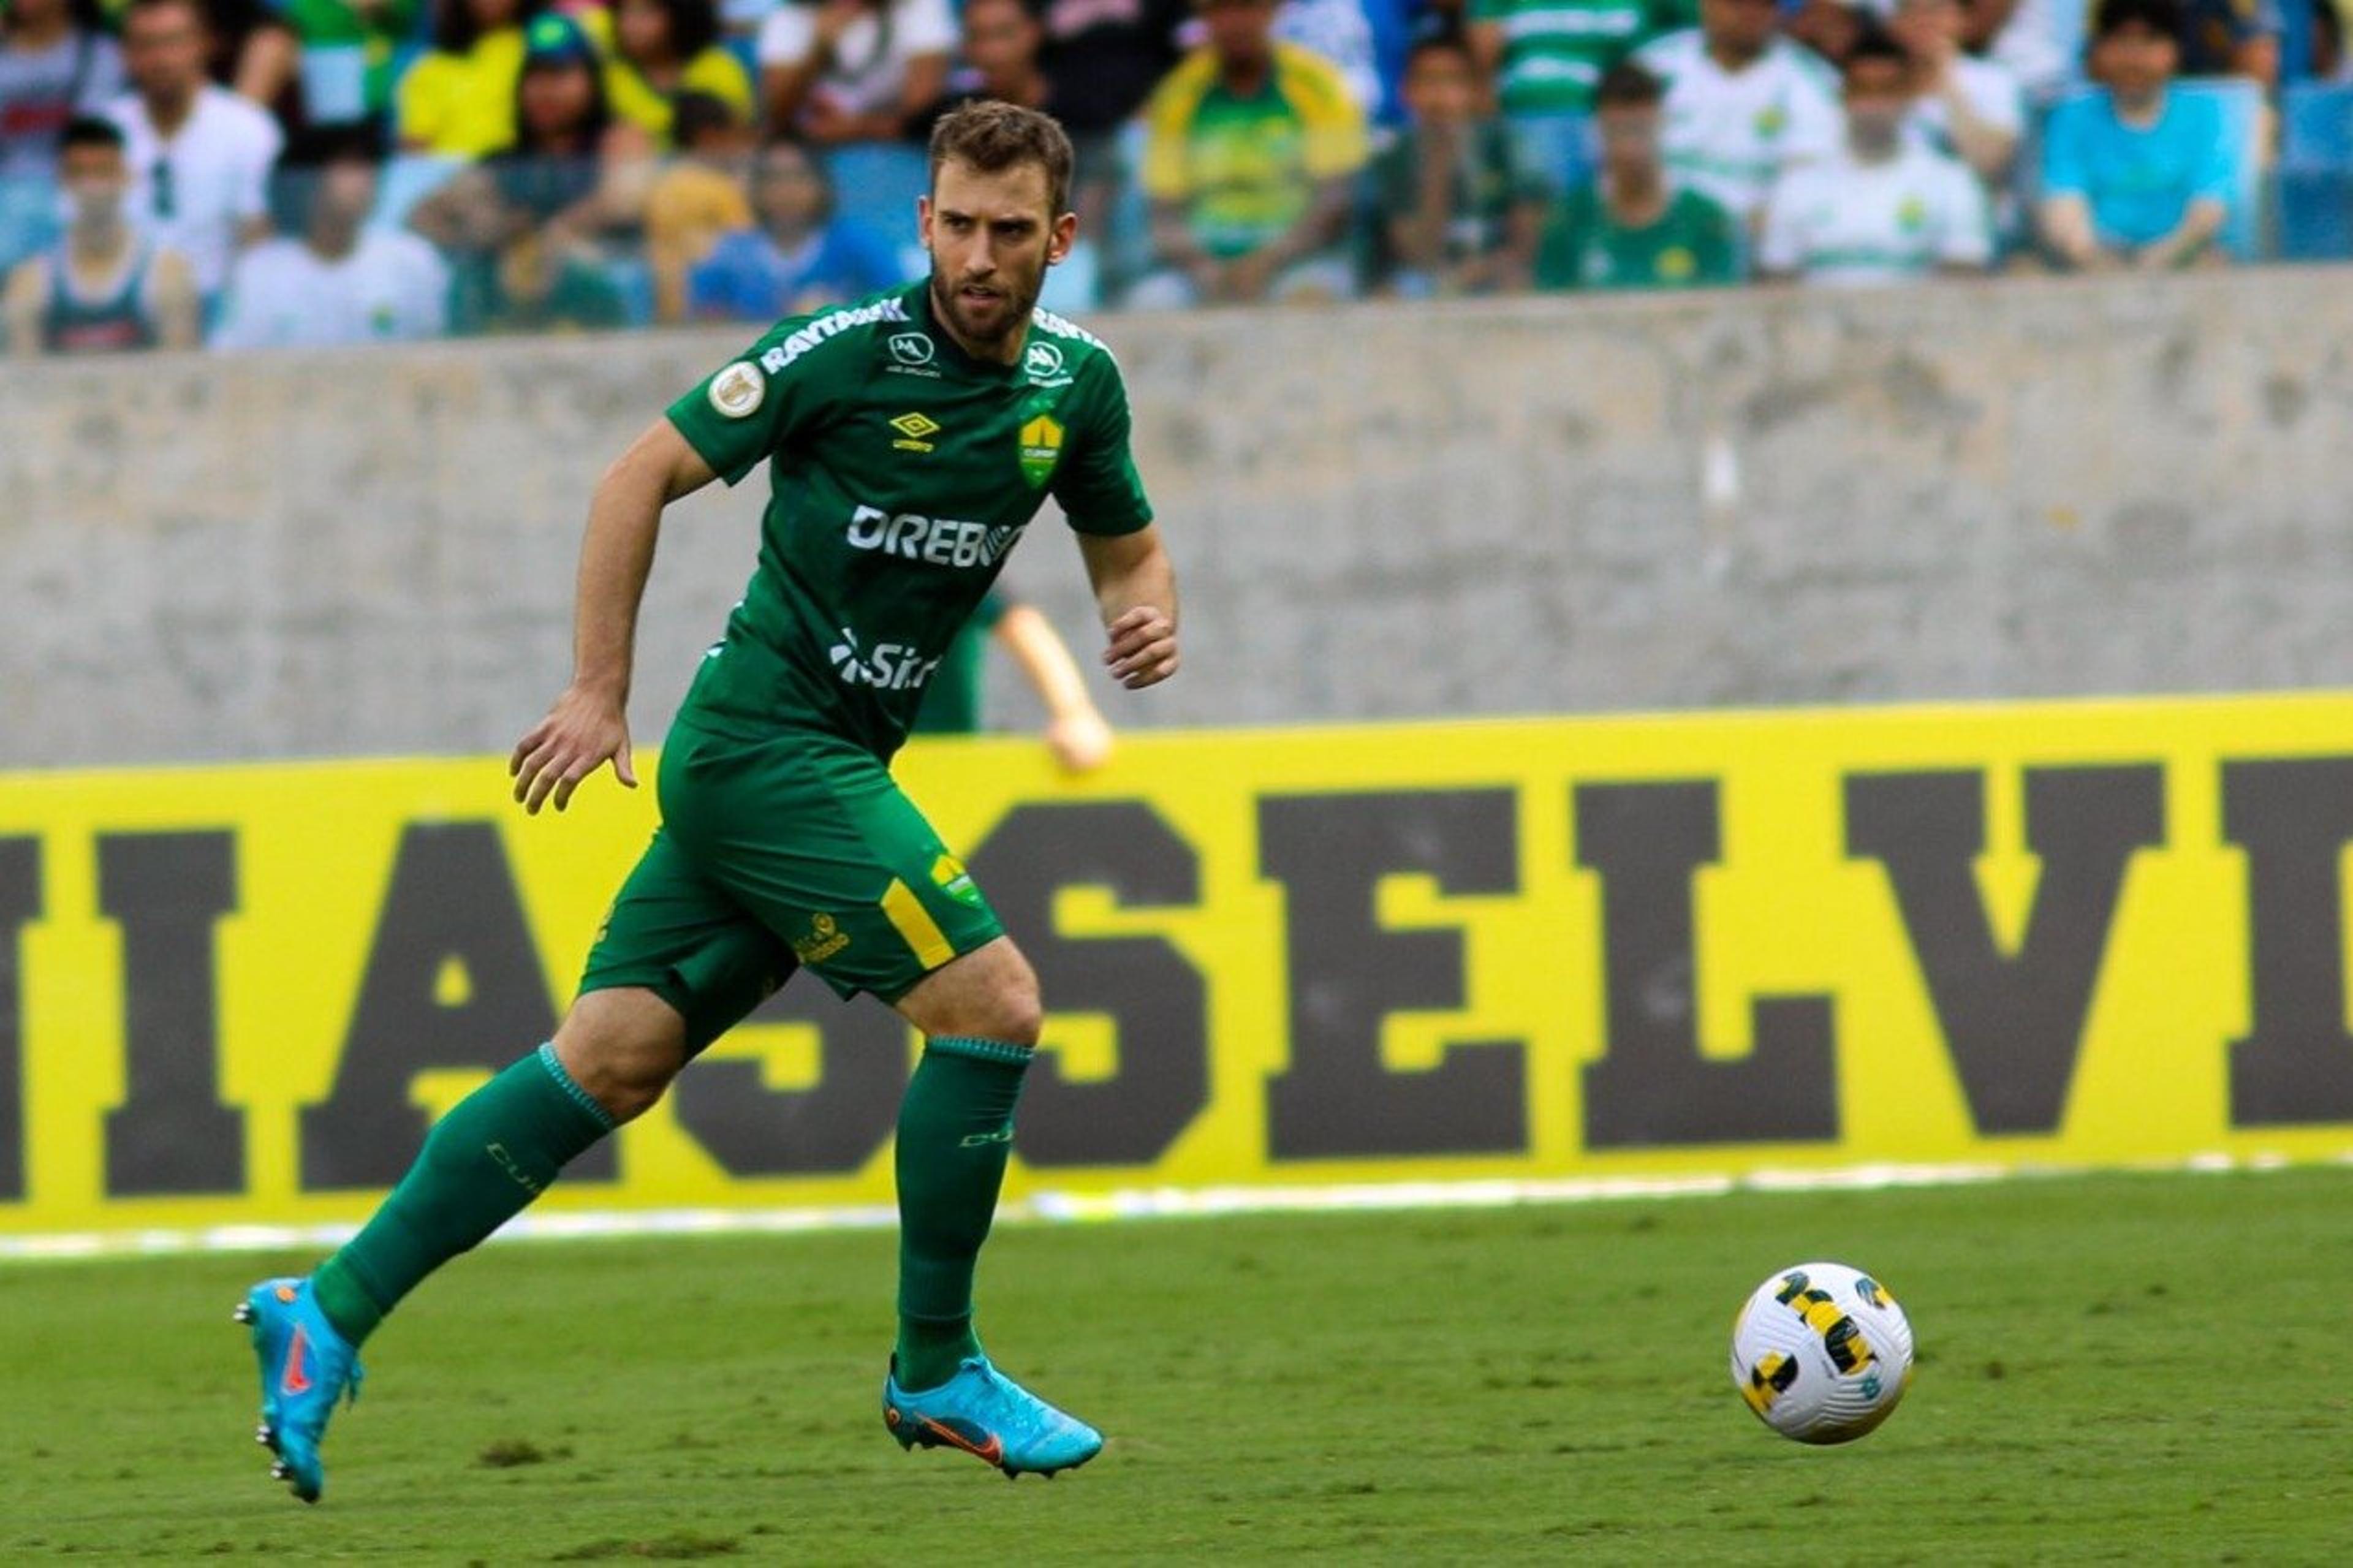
<point>256,172</point>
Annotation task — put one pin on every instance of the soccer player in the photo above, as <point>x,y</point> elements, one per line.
<point>909,440</point>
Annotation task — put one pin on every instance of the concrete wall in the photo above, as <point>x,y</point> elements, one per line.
<point>1975,490</point>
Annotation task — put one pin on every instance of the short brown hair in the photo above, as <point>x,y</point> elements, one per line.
<point>993,136</point>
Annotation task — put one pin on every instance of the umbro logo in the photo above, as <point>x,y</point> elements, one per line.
<point>915,431</point>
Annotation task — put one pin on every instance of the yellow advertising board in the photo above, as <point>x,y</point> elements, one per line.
<point>2053,934</point>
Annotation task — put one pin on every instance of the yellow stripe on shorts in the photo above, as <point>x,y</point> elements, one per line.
<point>914,923</point>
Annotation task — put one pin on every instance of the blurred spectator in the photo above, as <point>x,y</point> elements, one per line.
<point>1340,32</point>
<point>1884,208</point>
<point>1544,59</point>
<point>1457,217</point>
<point>1252,149</point>
<point>700,196</point>
<point>1744,105</point>
<point>340,53</point>
<point>249,48</point>
<point>105,286</point>
<point>200,156</point>
<point>55,64</point>
<point>340,281</point>
<point>2039,41</point>
<point>2134,174</point>
<point>1106,56</point>
<point>663,49</point>
<point>1001,44</point>
<point>800,258</point>
<point>1828,27</point>
<point>854,70</point>
<point>458,99</point>
<point>2233,37</point>
<point>1631,229</point>
<point>1969,107</point>
<point>536,285</point>
<point>561,168</point>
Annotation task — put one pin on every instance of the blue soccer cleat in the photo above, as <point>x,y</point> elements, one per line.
<point>990,1417</point>
<point>306,1366</point>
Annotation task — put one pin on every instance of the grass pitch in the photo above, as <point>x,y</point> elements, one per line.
<point>2143,1368</point>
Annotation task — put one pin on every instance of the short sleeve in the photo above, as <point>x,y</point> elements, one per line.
<point>1167,119</point>
<point>1718,247</point>
<point>421,102</point>
<point>751,407</point>
<point>786,35</point>
<point>1817,127</point>
<point>2064,170</point>
<point>1782,246</point>
<point>1097,484</point>
<point>2216,146</point>
<point>722,76</point>
<point>264,142</point>
<point>1966,239</point>
<point>1334,125</point>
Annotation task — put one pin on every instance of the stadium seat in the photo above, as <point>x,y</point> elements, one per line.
<point>2316,172</point>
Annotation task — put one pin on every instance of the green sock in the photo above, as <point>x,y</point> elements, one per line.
<point>955,1129</point>
<point>496,1151</point>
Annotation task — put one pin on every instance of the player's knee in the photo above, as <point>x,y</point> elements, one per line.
<point>622,1047</point>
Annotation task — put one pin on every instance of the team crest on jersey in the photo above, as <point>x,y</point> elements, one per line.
<point>911,348</point>
<point>738,391</point>
<point>1041,447</point>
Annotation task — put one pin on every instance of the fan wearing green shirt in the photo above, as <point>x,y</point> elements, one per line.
<point>1630,228</point>
<point>1546,59</point>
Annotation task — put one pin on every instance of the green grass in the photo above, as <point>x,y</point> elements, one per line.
<point>2125,1368</point>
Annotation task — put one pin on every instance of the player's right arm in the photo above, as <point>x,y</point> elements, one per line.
<point>588,726</point>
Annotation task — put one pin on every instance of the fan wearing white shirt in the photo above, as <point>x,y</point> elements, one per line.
<point>200,156</point>
<point>342,283</point>
<point>1744,105</point>
<point>1884,208</point>
<point>854,70</point>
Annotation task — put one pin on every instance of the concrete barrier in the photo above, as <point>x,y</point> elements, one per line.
<point>2003,489</point>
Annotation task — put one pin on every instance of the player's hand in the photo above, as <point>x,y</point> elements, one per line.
<point>580,734</point>
<point>1081,742</point>
<point>1143,651</point>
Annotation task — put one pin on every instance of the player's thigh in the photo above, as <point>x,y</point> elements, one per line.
<point>813,836</point>
<point>989,994</point>
<point>676,933</point>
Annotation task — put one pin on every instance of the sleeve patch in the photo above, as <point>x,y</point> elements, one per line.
<point>738,391</point>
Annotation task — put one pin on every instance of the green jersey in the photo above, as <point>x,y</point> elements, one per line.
<point>1555,51</point>
<point>1692,244</point>
<point>903,471</point>
<point>952,697</point>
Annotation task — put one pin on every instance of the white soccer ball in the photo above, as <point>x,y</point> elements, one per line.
<point>1822,1353</point>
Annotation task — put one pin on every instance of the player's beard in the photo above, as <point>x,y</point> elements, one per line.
<point>1016,297</point>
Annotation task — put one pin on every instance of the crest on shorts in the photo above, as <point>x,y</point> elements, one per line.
<point>955,881</point>
<point>824,939</point>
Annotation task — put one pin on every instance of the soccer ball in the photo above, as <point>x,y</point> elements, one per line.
<point>1822,1353</point>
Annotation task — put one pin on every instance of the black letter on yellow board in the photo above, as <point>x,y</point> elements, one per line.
<point>1348,972</point>
<point>452,982</point>
<point>1653,1089</point>
<point>2015,1024</point>
<point>1156,999</point>
<point>20,906</point>
<point>167,891</point>
<point>2294,817</point>
<point>834,1125</point>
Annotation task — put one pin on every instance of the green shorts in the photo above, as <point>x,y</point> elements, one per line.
<point>797,850</point>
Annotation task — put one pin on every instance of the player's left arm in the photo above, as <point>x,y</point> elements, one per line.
<point>1135,590</point>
